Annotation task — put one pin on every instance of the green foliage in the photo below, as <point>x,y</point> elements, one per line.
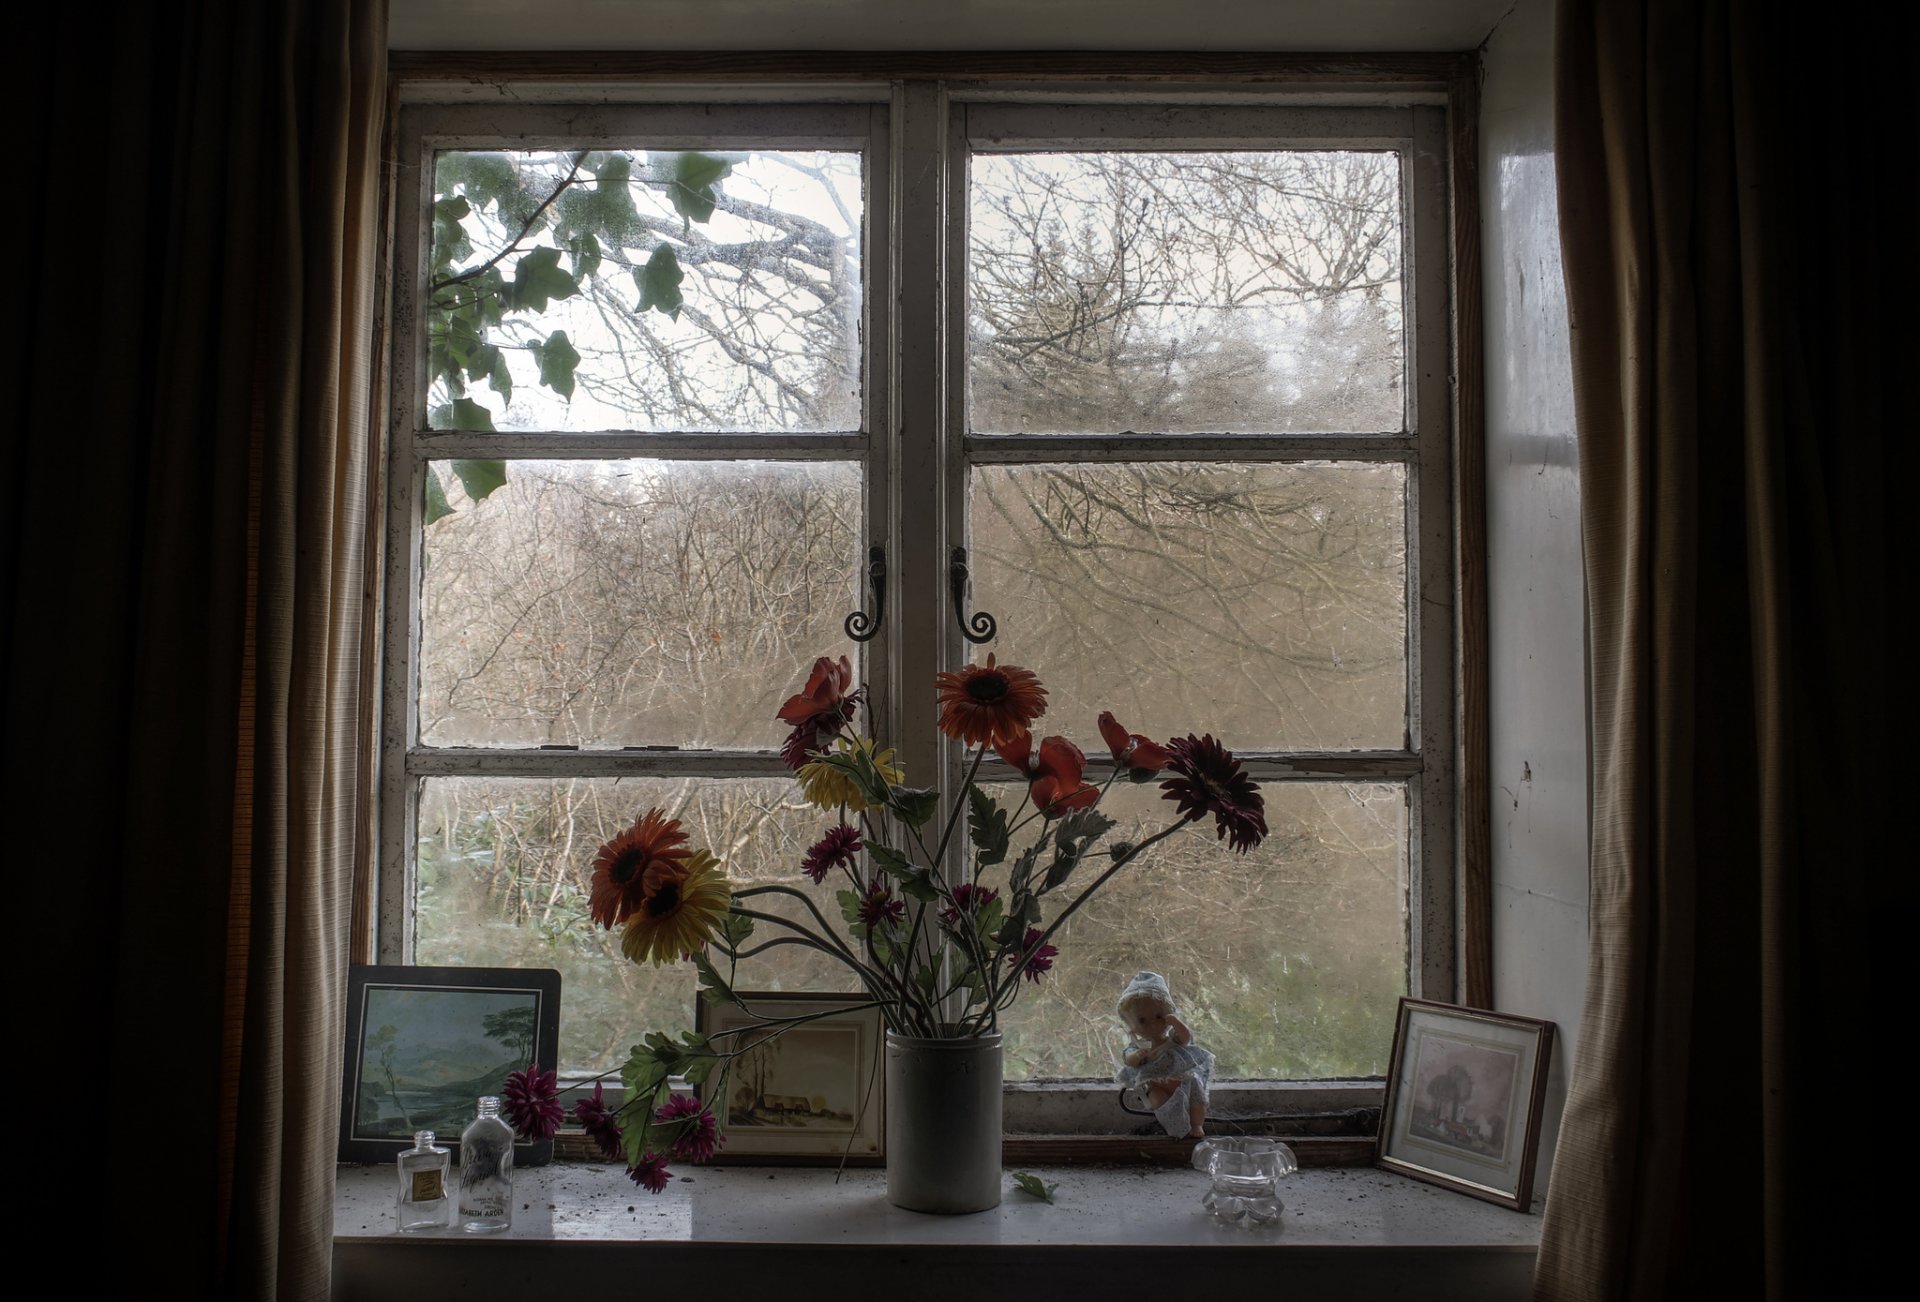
<point>558,360</point>
<point>659,282</point>
<point>1032,1185</point>
<point>694,184</point>
<point>539,280</point>
<point>987,827</point>
<point>914,881</point>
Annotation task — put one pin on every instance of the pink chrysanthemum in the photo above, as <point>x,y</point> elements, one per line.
<point>967,899</point>
<point>531,1102</point>
<point>598,1120</point>
<point>836,848</point>
<point>878,905</point>
<point>650,1172</point>
<point>699,1138</point>
<point>1041,960</point>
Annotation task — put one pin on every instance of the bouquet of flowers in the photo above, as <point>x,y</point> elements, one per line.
<point>940,955</point>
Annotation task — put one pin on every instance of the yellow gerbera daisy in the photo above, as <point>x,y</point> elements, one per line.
<point>680,914</point>
<point>827,785</point>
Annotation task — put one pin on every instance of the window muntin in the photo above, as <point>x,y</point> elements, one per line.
<point>1411,773</point>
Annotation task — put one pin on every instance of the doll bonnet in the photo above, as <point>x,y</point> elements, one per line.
<point>1145,985</point>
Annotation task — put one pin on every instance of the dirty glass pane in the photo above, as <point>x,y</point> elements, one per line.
<point>633,603</point>
<point>1287,962</point>
<point>1263,603</point>
<point>644,290</point>
<point>1238,292</point>
<point>505,868</point>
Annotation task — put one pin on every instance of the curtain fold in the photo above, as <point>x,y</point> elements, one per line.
<point>1725,178</point>
<point>182,557</point>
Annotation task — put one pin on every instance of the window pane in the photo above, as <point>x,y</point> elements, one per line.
<point>1287,962</point>
<point>694,291</point>
<point>1263,603</point>
<point>1247,292</point>
<point>505,868</point>
<point>631,603</point>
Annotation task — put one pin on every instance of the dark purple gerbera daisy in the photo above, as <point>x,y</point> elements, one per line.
<point>831,851</point>
<point>1211,781</point>
<point>598,1120</point>
<point>650,1172</point>
<point>699,1138</point>
<point>1040,960</point>
<point>531,1102</point>
<point>878,905</point>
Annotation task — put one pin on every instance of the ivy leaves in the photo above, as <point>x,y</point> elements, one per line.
<point>551,240</point>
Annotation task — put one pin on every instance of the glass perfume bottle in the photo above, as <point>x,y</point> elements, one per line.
<point>425,1201</point>
<point>486,1171</point>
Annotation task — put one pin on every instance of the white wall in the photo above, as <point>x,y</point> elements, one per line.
<point>1535,602</point>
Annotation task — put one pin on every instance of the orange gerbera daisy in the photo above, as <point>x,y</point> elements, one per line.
<point>984,705</point>
<point>632,866</point>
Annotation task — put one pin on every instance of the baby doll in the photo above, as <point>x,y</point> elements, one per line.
<point>1163,1056</point>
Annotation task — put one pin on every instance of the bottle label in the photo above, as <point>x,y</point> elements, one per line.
<point>429,1185</point>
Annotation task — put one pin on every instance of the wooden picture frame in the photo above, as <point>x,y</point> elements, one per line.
<point>1464,1091</point>
<point>424,1042</point>
<point>833,1106</point>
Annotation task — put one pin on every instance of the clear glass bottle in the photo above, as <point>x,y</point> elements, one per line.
<point>425,1201</point>
<point>486,1170</point>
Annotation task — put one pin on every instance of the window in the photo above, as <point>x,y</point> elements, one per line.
<point>1175,378</point>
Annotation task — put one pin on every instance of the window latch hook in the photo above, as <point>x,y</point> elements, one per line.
<point>859,625</point>
<point>980,626</point>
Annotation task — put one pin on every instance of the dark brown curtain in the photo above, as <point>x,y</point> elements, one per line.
<point>182,573</point>
<point>1736,237</point>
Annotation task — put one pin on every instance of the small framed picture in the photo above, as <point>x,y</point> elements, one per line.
<point>1463,1100</point>
<point>813,1094</point>
<point>424,1042</point>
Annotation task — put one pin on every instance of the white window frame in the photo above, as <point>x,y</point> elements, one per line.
<point>917,138</point>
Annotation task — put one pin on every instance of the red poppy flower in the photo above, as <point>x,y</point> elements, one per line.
<point>984,705</point>
<point>820,710</point>
<point>1041,960</point>
<point>1141,757</point>
<point>634,865</point>
<point>837,847</point>
<point>1211,781</point>
<point>1053,776</point>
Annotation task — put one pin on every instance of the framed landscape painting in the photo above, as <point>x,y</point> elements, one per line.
<point>814,1095</point>
<point>1463,1099</point>
<point>424,1042</point>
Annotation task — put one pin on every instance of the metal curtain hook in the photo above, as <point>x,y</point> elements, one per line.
<point>860,626</point>
<point>980,626</point>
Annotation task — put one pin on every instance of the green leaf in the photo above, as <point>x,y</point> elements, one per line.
<point>557,358</point>
<point>500,378</point>
<point>586,255</point>
<point>735,928</point>
<point>849,907</point>
<point>713,987</point>
<point>1034,1185</point>
<point>450,243</point>
<point>692,184</point>
<point>915,805</point>
<point>538,280</point>
<point>436,504</point>
<point>1072,837</point>
<point>659,282</point>
<point>987,826</point>
<point>642,1072</point>
<point>480,478</point>
<point>461,413</point>
<point>915,882</point>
